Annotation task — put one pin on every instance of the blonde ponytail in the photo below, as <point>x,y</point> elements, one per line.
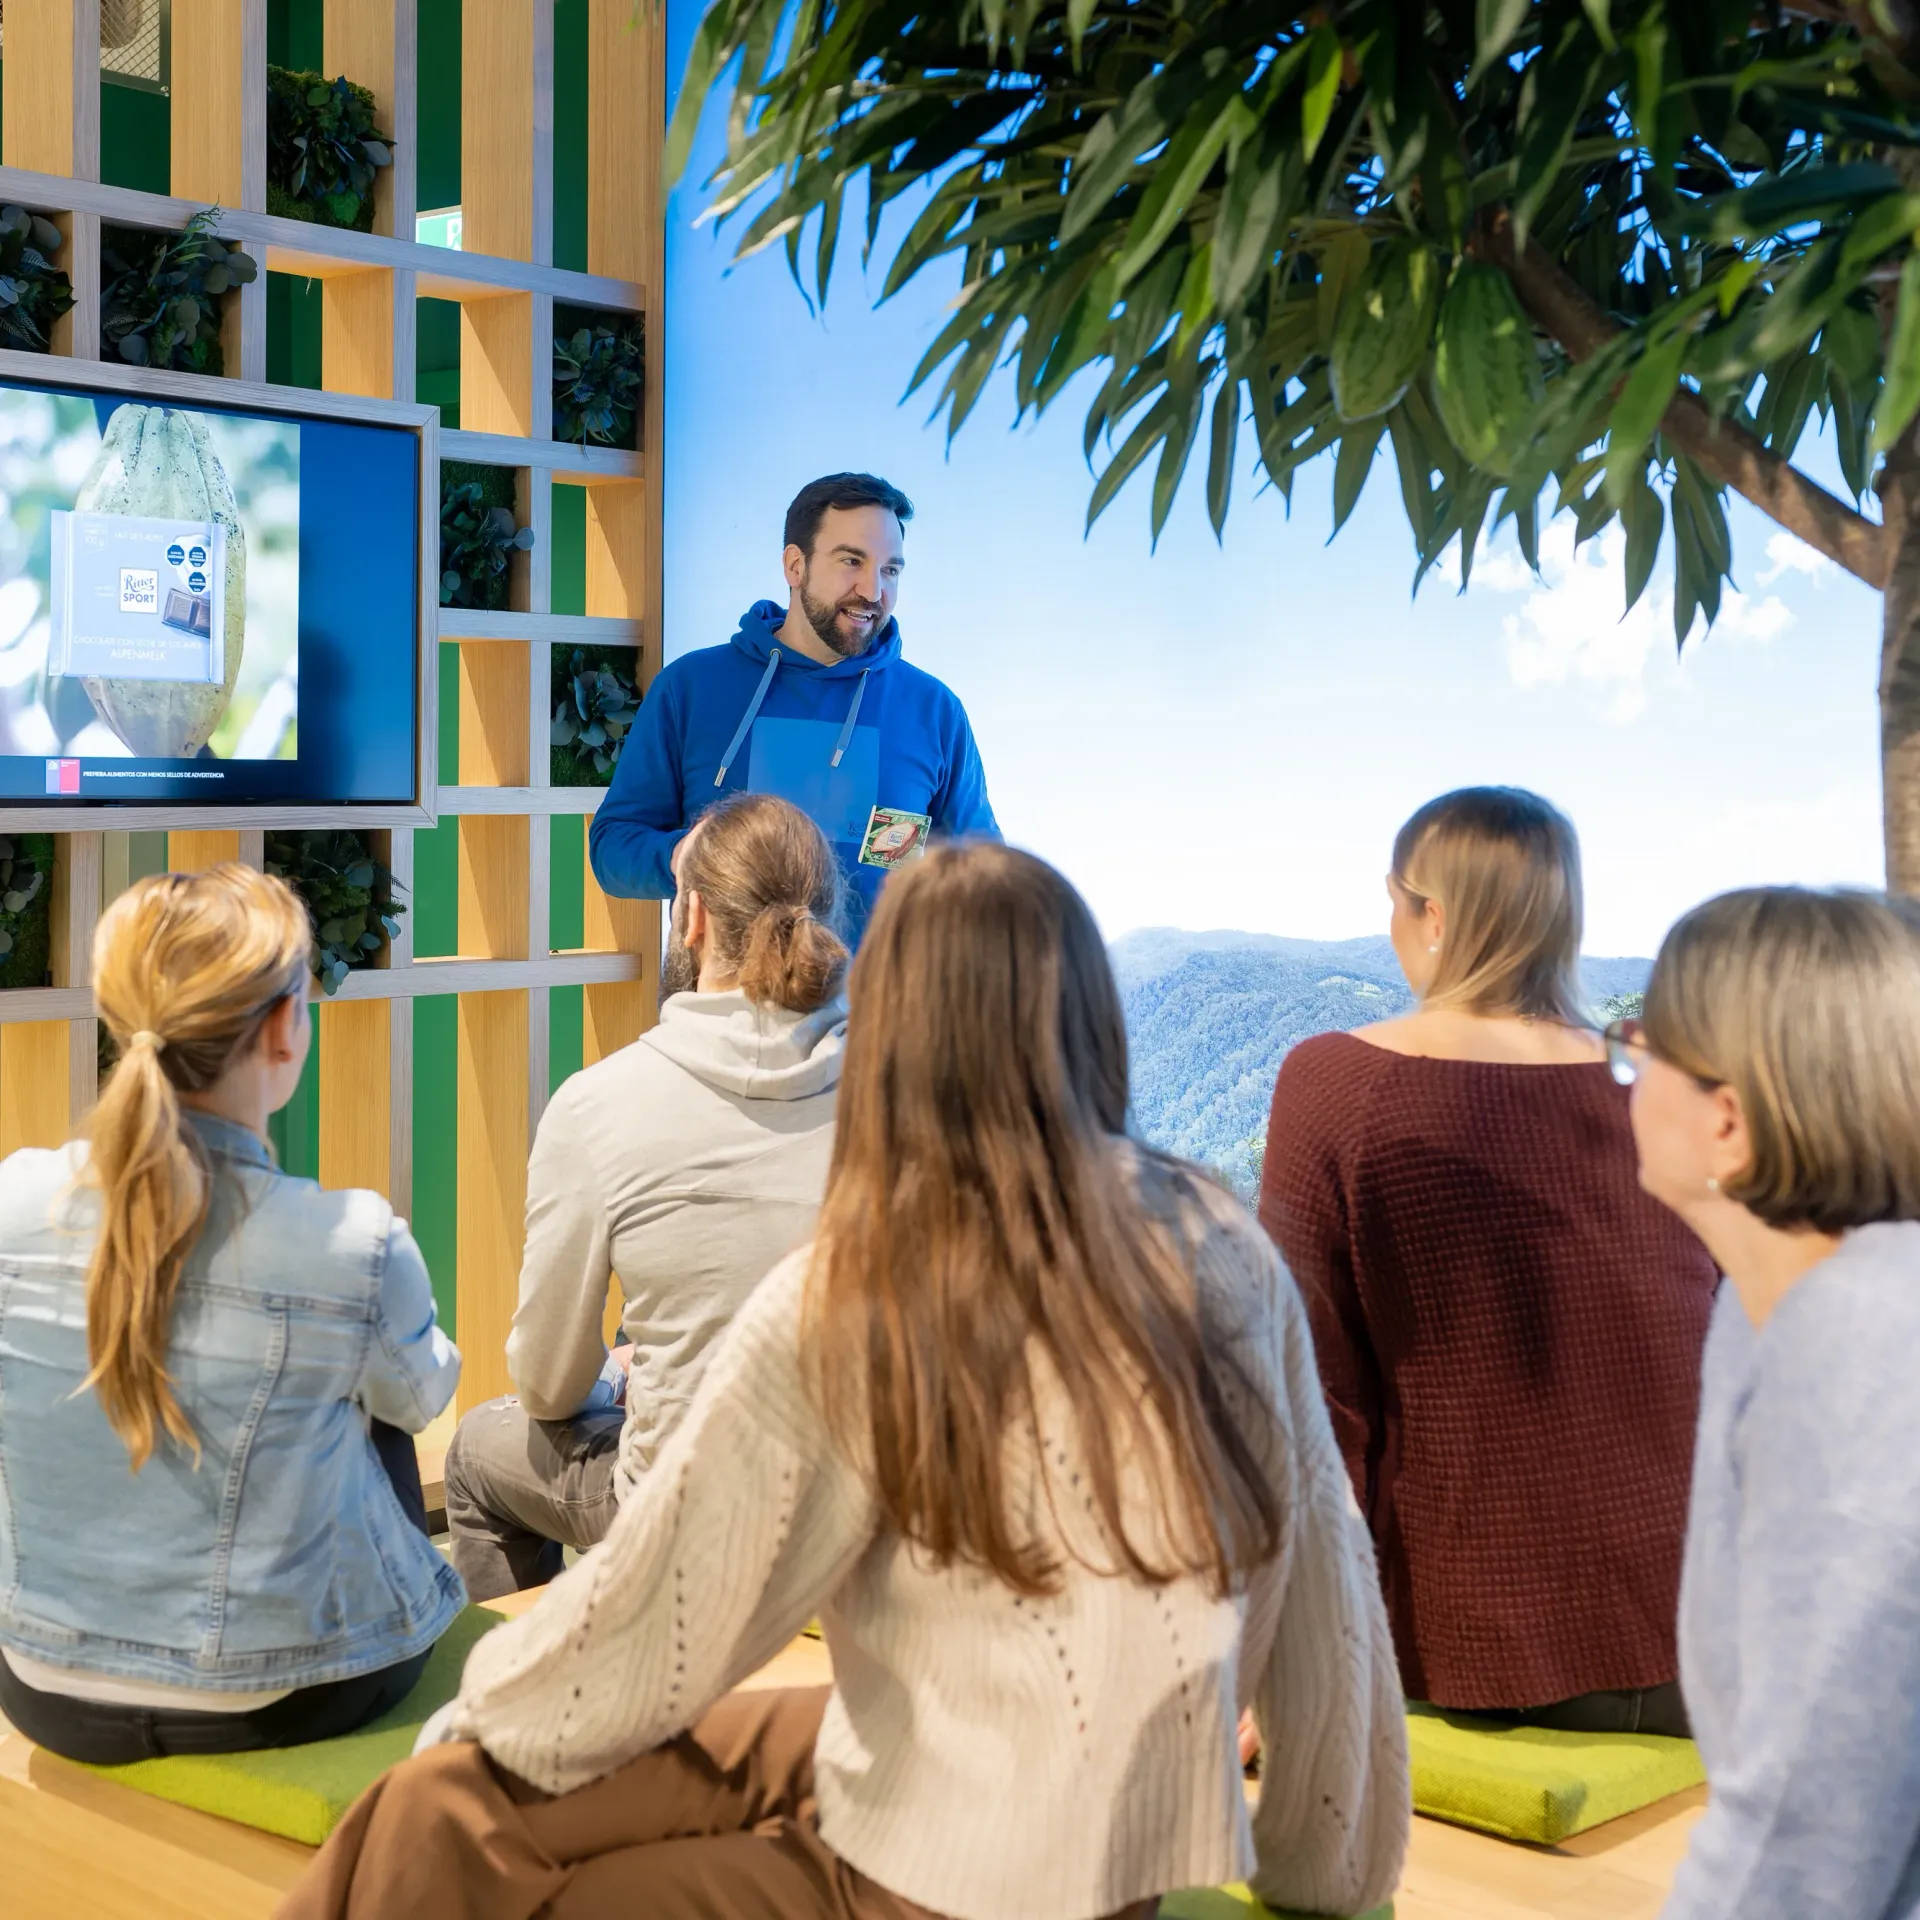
<point>186,968</point>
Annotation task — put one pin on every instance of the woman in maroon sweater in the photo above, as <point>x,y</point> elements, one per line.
<point>1509,1331</point>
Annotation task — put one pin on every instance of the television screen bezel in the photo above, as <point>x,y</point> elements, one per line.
<point>291,403</point>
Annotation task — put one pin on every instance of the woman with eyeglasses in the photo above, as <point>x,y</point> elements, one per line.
<point>212,1536</point>
<point>1776,1083</point>
<point>1507,1329</point>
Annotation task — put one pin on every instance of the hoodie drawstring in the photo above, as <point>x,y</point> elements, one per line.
<point>853,714</point>
<point>753,713</point>
<point>759,698</point>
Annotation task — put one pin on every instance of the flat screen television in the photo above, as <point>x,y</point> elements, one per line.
<point>208,603</point>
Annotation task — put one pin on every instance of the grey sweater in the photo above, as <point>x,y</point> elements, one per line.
<point>1800,1600</point>
<point>688,1164</point>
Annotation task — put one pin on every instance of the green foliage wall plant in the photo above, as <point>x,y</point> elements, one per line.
<point>349,897</point>
<point>26,909</point>
<point>34,293</point>
<point>161,292</point>
<point>599,377</point>
<point>478,537</point>
<point>594,703</point>
<point>323,149</point>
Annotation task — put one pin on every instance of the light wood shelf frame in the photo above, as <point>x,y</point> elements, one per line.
<point>499,797</point>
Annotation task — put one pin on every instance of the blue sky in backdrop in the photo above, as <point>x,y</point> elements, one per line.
<point>1227,735</point>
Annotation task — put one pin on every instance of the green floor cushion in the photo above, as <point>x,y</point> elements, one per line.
<point>301,1792</point>
<point>1235,1903</point>
<point>1530,1783</point>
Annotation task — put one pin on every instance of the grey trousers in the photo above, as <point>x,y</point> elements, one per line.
<point>520,1489</point>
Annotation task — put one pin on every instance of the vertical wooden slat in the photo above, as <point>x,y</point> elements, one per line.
<point>243,330</point>
<point>621,556</point>
<point>77,331</point>
<point>626,137</point>
<point>496,364</point>
<point>372,43</point>
<point>50,88</point>
<point>79,888</point>
<point>219,101</point>
<point>400,1039</point>
<point>499,64</point>
<point>620,560</point>
<point>357,312</point>
<point>616,1014</point>
<point>492,1148</point>
<point>540,156</point>
<point>252,848</point>
<point>626,237</point>
<point>33,1084</point>
<point>493,714</point>
<point>356,1080</point>
<point>406,318</point>
<point>196,852</point>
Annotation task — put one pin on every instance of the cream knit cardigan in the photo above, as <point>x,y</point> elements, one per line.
<point>988,1756</point>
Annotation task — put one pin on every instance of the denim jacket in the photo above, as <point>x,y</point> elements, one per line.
<point>279,1557</point>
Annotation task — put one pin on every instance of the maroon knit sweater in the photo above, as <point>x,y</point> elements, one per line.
<point>1509,1333</point>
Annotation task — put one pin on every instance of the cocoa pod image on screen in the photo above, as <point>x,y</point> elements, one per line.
<point>160,462</point>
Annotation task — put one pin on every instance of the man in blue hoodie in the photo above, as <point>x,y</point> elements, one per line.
<point>812,702</point>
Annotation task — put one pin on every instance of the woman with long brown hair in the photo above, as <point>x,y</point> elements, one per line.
<point>1508,1329</point>
<point>1033,1426</point>
<point>212,1536</point>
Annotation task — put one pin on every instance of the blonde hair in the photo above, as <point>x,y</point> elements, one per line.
<point>1504,866</point>
<point>1806,1004</point>
<point>186,969</point>
<point>771,887</point>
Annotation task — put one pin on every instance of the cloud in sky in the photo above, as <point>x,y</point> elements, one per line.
<point>1574,627</point>
<point>1788,553</point>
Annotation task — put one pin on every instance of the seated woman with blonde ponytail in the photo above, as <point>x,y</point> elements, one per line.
<point>212,1537</point>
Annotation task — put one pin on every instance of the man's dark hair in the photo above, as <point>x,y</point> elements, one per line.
<point>810,504</point>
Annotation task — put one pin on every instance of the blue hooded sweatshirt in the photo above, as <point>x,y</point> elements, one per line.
<point>759,717</point>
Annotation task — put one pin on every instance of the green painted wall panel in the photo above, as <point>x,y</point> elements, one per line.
<point>296,35</point>
<point>569,549</point>
<point>570,134</point>
<point>436,1189</point>
<point>295,1129</point>
<point>136,139</point>
<point>439,104</point>
<point>293,330</point>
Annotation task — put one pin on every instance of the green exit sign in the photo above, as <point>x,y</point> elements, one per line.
<point>440,227</point>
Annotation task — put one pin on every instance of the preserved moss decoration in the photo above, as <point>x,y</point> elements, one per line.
<point>594,703</point>
<point>349,897</point>
<point>323,149</point>
<point>599,377</point>
<point>26,909</point>
<point>478,537</point>
<point>161,292</point>
<point>34,293</point>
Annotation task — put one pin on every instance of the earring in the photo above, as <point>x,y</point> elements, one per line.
<point>1713,1185</point>
<point>1435,948</point>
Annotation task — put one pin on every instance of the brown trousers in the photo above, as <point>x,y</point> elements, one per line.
<point>717,1825</point>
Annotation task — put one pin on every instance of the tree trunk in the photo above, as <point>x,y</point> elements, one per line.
<point>1898,485</point>
<point>1899,489</point>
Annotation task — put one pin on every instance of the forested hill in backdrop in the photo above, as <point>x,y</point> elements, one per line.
<point>1209,1016</point>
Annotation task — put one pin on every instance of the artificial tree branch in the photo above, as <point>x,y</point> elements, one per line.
<point>1723,449</point>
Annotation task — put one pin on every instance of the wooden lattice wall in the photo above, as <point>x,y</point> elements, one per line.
<point>506,286</point>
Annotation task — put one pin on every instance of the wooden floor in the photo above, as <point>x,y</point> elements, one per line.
<point>74,1847</point>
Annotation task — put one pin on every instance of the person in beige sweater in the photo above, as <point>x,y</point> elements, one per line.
<point>1034,1426</point>
<point>685,1164</point>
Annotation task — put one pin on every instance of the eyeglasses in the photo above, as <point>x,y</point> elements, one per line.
<point>1629,1049</point>
<point>1626,1049</point>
